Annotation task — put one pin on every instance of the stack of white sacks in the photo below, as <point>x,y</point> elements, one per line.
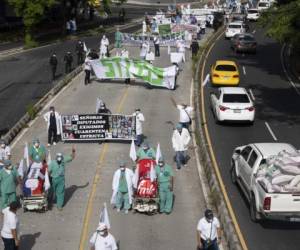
<point>281,173</point>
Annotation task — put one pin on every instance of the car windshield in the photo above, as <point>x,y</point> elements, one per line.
<point>234,26</point>
<point>235,98</point>
<point>225,67</point>
<point>246,38</point>
<point>252,11</point>
<point>263,4</point>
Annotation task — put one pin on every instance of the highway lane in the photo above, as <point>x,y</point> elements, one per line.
<point>277,104</point>
<point>26,77</point>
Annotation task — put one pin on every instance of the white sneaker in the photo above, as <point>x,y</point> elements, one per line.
<point>54,143</point>
<point>48,144</point>
<point>118,210</point>
<point>126,211</point>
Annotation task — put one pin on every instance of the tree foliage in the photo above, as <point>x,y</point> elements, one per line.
<point>282,22</point>
<point>31,11</point>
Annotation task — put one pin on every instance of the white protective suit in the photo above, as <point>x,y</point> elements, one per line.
<point>129,175</point>
<point>103,47</point>
<point>180,141</point>
<point>57,118</point>
<point>139,122</point>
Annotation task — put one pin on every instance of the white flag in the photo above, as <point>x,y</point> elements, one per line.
<point>21,168</point>
<point>84,47</point>
<point>169,50</point>
<point>136,176</point>
<point>47,181</point>
<point>132,153</point>
<point>49,158</point>
<point>152,173</point>
<point>158,153</point>
<point>104,218</point>
<point>26,154</point>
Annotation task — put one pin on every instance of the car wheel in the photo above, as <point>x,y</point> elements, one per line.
<point>254,215</point>
<point>233,173</point>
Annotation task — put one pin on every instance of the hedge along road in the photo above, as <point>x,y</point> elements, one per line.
<point>26,76</point>
<point>277,119</point>
<point>89,176</point>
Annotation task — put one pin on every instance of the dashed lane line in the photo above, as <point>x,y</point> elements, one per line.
<point>251,94</point>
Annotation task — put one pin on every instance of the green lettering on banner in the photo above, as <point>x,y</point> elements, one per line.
<point>157,76</point>
<point>117,61</point>
<point>111,71</point>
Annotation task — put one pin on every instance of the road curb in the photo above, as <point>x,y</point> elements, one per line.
<point>24,121</point>
<point>216,197</point>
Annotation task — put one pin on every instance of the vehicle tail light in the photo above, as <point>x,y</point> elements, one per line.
<point>216,75</point>
<point>235,76</point>
<point>250,108</point>
<point>223,108</point>
<point>267,203</point>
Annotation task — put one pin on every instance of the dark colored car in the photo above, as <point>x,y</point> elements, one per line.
<point>244,42</point>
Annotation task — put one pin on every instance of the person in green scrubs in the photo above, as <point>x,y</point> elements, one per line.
<point>145,152</point>
<point>118,39</point>
<point>165,181</point>
<point>57,173</point>
<point>37,152</point>
<point>9,179</point>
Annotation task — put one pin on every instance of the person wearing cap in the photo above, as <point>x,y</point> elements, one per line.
<point>208,232</point>
<point>180,140</point>
<point>103,109</point>
<point>68,59</point>
<point>10,228</point>
<point>139,119</point>
<point>122,187</point>
<point>37,152</point>
<point>185,113</point>
<point>5,153</point>
<point>145,152</point>
<point>9,179</point>
<point>165,181</point>
<point>102,239</point>
<point>53,120</point>
<point>57,173</point>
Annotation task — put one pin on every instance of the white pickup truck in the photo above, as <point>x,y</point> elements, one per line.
<point>245,164</point>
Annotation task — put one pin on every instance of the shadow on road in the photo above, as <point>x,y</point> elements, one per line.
<point>28,241</point>
<point>71,190</point>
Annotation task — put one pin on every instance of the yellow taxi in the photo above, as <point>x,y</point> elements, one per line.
<point>225,73</point>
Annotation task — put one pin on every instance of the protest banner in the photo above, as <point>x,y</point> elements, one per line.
<point>124,68</point>
<point>95,127</point>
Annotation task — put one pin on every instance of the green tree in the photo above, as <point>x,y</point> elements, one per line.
<point>282,22</point>
<point>32,12</point>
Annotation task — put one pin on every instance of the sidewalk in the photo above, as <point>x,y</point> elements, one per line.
<point>63,230</point>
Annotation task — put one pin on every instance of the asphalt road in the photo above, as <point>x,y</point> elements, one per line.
<point>277,103</point>
<point>26,77</point>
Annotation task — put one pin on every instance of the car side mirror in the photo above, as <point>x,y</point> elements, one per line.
<point>237,151</point>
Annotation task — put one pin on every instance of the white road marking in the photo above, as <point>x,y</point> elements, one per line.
<point>286,73</point>
<point>271,131</point>
<point>200,168</point>
<point>206,80</point>
<point>244,70</point>
<point>251,94</point>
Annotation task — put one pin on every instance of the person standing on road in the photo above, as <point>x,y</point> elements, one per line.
<point>68,59</point>
<point>139,119</point>
<point>10,228</point>
<point>118,39</point>
<point>37,152</point>
<point>208,232</point>
<point>53,64</point>
<point>104,47</point>
<point>8,182</point>
<point>145,152</point>
<point>53,120</point>
<point>87,70</point>
<point>5,153</point>
<point>57,174</point>
<point>165,180</point>
<point>194,48</point>
<point>185,114</point>
<point>102,239</point>
<point>180,140</point>
<point>103,109</point>
<point>80,52</point>
<point>156,45</point>
<point>122,187</point>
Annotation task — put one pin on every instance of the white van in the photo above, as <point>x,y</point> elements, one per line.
<point>234,28</point>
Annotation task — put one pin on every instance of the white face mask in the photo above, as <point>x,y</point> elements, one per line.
<point>2,145</point>
<point>36,145</point>
<point>102,233</point>
<point>122,169</point>
<point>9,167</point>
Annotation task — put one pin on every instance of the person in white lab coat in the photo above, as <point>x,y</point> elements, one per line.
<point>180,140</point>
<point>102,239</point>
<point>122,187</point>
<point>139,119</point>
<point>104,47</point>
<point>53,120</point>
